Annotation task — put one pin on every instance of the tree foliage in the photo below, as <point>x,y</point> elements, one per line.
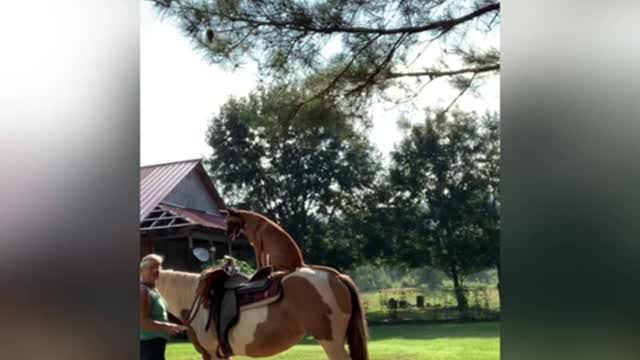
<point>299,171</point>
<point>357,46</point>
<point>444,176</point>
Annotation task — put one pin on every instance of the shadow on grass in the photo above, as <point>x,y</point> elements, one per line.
<point>428,331</point>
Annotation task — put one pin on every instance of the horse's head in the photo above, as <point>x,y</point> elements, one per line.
<point>235,223</point>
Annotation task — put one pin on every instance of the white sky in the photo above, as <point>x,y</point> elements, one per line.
<point>180,92</point>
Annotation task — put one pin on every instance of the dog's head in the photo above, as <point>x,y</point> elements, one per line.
<point>234,222</point>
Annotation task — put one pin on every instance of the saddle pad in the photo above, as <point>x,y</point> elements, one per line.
<point>272,291</point>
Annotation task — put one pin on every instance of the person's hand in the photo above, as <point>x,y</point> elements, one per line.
<point>177,329</point>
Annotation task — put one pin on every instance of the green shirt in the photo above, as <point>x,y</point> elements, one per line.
<point>158,313</point>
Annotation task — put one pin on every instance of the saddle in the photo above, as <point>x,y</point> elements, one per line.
<point>225,294</point>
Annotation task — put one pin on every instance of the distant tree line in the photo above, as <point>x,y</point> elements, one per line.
<point>316,173</point>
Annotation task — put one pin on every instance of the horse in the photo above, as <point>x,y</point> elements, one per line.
<point>316,300</point>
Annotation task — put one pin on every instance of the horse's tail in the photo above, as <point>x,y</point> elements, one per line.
<point>357,332</point>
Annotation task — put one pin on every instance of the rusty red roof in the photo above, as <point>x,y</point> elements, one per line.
<point>197,217</point>
<point>157,181</point>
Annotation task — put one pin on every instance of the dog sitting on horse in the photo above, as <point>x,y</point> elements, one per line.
<point>272,244</point>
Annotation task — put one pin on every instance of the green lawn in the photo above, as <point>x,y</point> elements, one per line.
<point>471,341</point>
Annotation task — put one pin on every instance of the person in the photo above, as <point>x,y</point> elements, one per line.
<point>155,327</point>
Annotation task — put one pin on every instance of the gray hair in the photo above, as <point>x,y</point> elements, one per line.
<point>151,259</point>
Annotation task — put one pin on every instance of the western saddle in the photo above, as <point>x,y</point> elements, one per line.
<point>225,292</point>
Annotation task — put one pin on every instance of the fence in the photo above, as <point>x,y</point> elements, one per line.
<point>415,304</point>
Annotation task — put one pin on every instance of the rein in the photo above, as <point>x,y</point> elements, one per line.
<point>192,314</point>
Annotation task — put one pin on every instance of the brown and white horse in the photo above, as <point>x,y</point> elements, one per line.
<point>316,301</point>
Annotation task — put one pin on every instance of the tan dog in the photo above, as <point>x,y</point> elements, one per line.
<point>272,244</point>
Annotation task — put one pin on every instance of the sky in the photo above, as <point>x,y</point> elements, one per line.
<point>180,93</point>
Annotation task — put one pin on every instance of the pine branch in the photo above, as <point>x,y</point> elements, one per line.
<point>464,89</point>
<point>437,73</point>
<point>311,28</point>
<point>371,79</point>
<point>335,80</point>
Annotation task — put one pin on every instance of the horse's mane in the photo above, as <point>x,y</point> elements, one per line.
<point>179,273</point>
<point>179,281</point>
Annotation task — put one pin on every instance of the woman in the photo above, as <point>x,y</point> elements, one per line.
<point>154,325</point>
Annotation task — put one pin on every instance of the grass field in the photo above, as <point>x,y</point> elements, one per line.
<point>470,341</point>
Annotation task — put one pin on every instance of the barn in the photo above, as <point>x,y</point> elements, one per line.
<point>179,211</point>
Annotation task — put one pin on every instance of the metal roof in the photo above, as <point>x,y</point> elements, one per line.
<point>161,219</point>
<point>165,216</point>
<point>157,181</point>
<point>197,217</point>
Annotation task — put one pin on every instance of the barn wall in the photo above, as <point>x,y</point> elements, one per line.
<point>178,255</point>
<point>175,252</point>
<point>191,193</point>
<point>145,247</point>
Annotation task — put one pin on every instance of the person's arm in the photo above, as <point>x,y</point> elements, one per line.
<point>147,323</point>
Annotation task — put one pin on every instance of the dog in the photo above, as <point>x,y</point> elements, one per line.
<point>272,244</point>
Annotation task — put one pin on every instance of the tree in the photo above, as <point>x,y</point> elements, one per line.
<point>362,46</point>
<point>299,171</point>
<point>491,221</point>
<point>439,175</point>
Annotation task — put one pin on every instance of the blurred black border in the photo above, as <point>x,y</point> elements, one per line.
<point>570,126</point>
<point>69,107</point>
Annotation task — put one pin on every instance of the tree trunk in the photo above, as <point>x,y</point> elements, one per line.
<point>461,299</point>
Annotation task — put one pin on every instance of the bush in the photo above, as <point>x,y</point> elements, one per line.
<point>374,277</point>
<point>370,277</point>
<point>243,266</point>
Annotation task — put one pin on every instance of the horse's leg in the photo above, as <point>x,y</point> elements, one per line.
<point>335,349</point>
